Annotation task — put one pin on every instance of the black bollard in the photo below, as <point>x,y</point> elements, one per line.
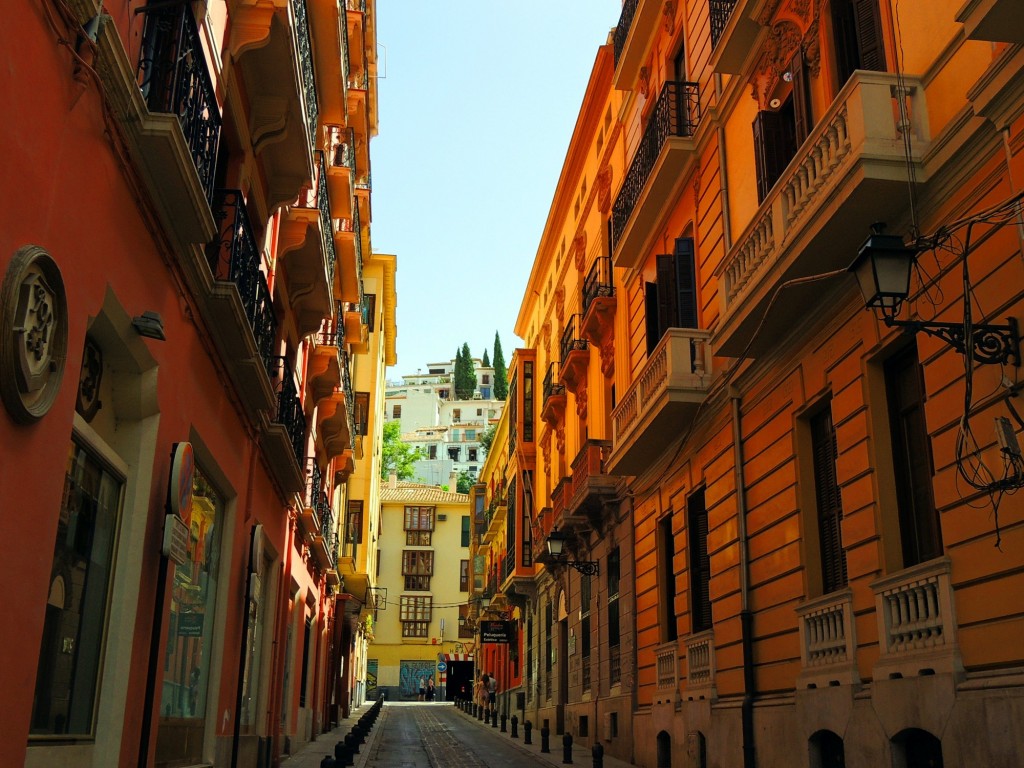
<point>597,752</point>
<point>342,754</point>
<point>567,748</point>
<point>527,731</point>
<point>479,712</point>
<point>504,720</point>
<point>515,727</point>
<point>545,739</point>
<point>328,762</point>
<point>494,718</point>
<point>353,744</point>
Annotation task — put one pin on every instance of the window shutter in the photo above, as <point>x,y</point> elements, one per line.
<point>829,503</point>
<point>801,98</point>
<point>668,309</point>
<point>651,315</point>
<point>870,45</point>
<point>686,284</point>
<point>773,149</point>
<point>700,564</point>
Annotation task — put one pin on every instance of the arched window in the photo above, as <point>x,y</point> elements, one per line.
<point>826,750</point>
<point>664,750</point>
<point>915,748</point>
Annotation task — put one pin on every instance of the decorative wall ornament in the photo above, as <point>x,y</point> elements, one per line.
<point>644,83</point>
<point>783,42</point>
<point>581,399</point>
<point>560,439</point>
<point>812,49</point>
<point>87,403</point>
<point>560,304</point>
<point>607,351</point>
<point>545,335</point>
<point>580,250</point>
<point>33,334</point>
<point>669,12</point>
<point>604,189</point>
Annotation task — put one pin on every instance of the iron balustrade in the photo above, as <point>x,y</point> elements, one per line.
<point>316,498</point>
<point>719,12</point>
<point>331,333</point>
<point>306,70</point>
<point>552,386</point>
<point>359,82</point>
<point>289,407</point>
<point>323,200</point>
<point>346,388</point>
<point>598,281</point>
<point>234,257</point>
<point>676,113</point>
<point>344,59</point>
<point>356,5</point>
<point>174,79</point>
<point>623,27</point>
<point>358,230</point>
<point>571,342</point>
<point>344,155</point>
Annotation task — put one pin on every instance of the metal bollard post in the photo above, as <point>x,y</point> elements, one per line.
<point>504,721</point>
<point>328,762</point>
<point>342,754</point>
<point>567,748</point>
<point>479,712</point>
<point>515,727</point>
<point>353,744</point>
<point>527,731</point>
<point>545,739</point>
<point>597,752</point>
<point>494,718</point>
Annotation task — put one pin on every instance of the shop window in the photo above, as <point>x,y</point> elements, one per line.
<point>67,679</point>
<point>671,301</point>
<point>700,563</point>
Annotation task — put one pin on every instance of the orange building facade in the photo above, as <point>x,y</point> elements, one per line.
<point>801,519</point>
<point>194,340</point>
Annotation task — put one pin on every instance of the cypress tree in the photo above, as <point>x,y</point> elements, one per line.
<point>486,360</point>
<point>500,371</point>
<point>464,376</point>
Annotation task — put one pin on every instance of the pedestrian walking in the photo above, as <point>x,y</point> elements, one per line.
<point>492,692</point>
<point>423,689</point>
<point>430,689</point>
<point>480,691</point>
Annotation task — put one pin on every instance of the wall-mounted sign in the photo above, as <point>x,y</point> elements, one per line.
<point>176,537</point>
<point>183,467</point>
<point>497,631</point>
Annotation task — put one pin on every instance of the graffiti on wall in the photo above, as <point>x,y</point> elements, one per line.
<point>371,678</point>
<point>410,673</point>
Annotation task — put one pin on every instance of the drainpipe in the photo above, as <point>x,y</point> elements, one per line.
<point>746,617</point>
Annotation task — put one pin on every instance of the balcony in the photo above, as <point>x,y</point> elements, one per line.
<point>274,64</point>
<point>850,172</point>
<point>177,129</point>
<point>553,408</point>
<point>993,20</point>
<point>336,414</point>
<point>284,437</point>
<point>827,643</point>
<point>330,47</point>
<point>575,350</point>
<point>325,543</point>
<point>662,402</point>
<point>316,506</point>
<point>597,325</point>
<point>916,614</point>
<point>632,39</point>
<point>666,659</point>
<point>357,327</point>
<point>323,373</point>
<point>664,158</point>
<point>355,14</point>
<point>735,26</point>
<point>700,666</point>
<point>306,248</point>
<point>341,170</point>
<point>348,240</point>
<point>239,305</point>
<point>591,488</point>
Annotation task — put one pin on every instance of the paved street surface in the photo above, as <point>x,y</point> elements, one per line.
<point>426,735</point>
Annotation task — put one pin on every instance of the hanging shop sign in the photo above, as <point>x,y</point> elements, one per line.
<point>496,631</point>
<point>183,467</point>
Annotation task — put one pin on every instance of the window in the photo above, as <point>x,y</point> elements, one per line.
<point>470,434</point>
<point>857,33</point>
<point>362,412</point>
<point>453,453</point>
<point>829,503</point>
<point>456,415</point>
<point>472,454</point>
<point>465,531</point>
<point>485,378</point>
<point>464,576</point>
<point>779,132</point>
<point>76,609</point>
<point>419,523</point>
<point>920,531</point>
<point>417,583</point>
<point>666,558</point>
<point>414,613</point>
<point>527,401</point>
<point>443,394</point>
<point>671,302</point>
<point>455,435</point>
<point>700,563</point>
<point>354,527</point>
<point>585,600</point>
<point>417,562</point>
<point>396,412</point>
<point>304,670</point>
<point>370,307</point>
<point>431,451</point>
<point>614,632</point>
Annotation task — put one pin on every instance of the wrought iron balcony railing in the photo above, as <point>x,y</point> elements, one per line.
<point>173,78</point>
<point>331,333</point>
<point>305,51</point>
<point>346,387</point>
<point>344,155</point>
<point>234,257</point>
<point>356,5</point>
<point>316,498</point>
<point>598,281</point>
<point>719,12</point>
<point>552,386</point>
<point>571,341</point>
<point>323,200</point>
<point>622,28</point>
<point>289,407</point>
<point>677,113</point>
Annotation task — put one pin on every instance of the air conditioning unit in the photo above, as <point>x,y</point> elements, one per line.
<point>442,518</point>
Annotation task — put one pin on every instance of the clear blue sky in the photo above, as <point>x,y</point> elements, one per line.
<point>478,99</point>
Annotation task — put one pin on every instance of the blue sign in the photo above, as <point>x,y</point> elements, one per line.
<point>441,666</point>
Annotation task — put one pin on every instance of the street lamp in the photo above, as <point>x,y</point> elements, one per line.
<point>882,269</point>
<point>556,545</point>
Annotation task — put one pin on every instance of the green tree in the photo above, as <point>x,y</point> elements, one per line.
<point>487,438</point>
<point>464,378</point>
<point>500,371</point>
<point>465,482</point>
<point>396,455</point>
<point>486,360</point>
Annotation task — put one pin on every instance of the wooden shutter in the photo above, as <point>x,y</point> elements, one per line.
<point>773,149</point>
<point>801,98</point>
<point>668,296</point>
<point>686,284</point>
<point>829,503</point>
<point>870,44</point>
<point>651,315</point>
<point>700,564</point>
